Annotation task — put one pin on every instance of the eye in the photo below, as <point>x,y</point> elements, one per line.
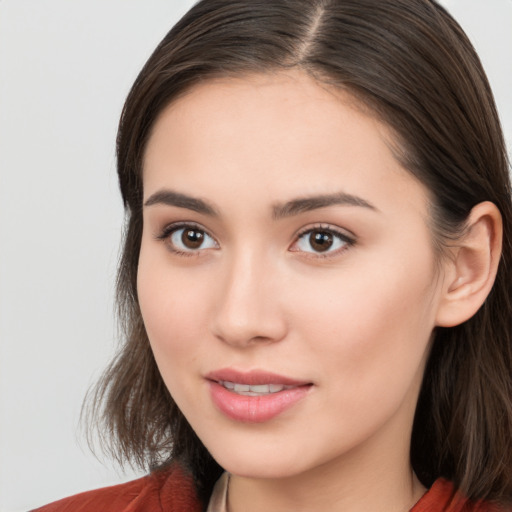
<point>187,239</point>
<point>322,241</point>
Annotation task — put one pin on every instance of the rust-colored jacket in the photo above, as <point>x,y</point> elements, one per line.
<point>173,490</point>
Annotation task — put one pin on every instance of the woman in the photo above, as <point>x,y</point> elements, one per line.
<point>315,280</point>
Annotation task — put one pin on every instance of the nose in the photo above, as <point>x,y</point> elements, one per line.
<point>248,310</point>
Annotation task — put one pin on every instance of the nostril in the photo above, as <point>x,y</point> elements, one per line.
<point>246,311</point>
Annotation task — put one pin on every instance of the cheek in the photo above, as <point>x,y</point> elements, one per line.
<point>173,309</point>
<point>371,328</point>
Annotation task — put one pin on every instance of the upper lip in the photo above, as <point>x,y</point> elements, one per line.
<point>253,377</point>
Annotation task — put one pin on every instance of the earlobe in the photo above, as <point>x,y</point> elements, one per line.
<point>471,271</point>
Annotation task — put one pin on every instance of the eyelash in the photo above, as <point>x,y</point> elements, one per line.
<point>347,240</point>
<point>169,230</point>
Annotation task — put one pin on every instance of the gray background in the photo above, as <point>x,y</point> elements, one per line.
<point>65,69</point>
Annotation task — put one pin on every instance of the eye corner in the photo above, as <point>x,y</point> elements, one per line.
<point>330,241</point>
<point>179,245</point>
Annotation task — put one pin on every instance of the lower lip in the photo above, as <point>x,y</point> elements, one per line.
<point>255,409</point>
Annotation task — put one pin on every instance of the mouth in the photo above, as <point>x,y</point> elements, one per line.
<point>253,390</point>
<point>254,381</point>
<point>255,396</point>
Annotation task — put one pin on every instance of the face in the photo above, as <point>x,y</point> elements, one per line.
<point>287,278</point>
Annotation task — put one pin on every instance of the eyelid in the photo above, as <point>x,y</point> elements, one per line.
<point>166,232</point>
<point>342,232</point>
<point>173,226</point>
<point>346,236</point>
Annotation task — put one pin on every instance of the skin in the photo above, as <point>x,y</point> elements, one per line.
<point>355,321</point>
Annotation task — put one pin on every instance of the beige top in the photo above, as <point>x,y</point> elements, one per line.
<point>218,500</point>
<point>441,497</point>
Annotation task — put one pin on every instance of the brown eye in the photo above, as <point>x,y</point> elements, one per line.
<point>192,238</point>
<point>189,239</point>
<point>321,241</point>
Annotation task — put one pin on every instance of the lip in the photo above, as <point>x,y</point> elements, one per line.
<point>253,377</point>
<point>255,409</point>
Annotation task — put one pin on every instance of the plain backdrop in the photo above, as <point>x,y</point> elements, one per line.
<point>65,69</point>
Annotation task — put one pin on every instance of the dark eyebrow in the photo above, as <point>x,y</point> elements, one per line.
<point>307,204</point>
<point>171,198</point>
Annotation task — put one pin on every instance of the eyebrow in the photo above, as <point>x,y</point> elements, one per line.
<point>171,198</point>
<point>279,211</point>
<point>306,204</point>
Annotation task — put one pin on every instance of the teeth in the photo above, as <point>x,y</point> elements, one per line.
<point>263,388</point>
<point>256,390</point>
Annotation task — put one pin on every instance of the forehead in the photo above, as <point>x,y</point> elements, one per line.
<point>273,134</point>
<point>262,99</point>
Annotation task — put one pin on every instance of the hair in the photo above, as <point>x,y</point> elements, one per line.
<point>411,65</point>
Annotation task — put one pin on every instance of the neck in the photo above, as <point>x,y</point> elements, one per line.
<point>327,488</point>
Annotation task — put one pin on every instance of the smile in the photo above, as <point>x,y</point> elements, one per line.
<point>255,396</point>
<point>253,390</point>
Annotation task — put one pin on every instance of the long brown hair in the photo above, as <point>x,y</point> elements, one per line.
<point>411,65</point>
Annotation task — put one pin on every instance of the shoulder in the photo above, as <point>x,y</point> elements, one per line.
<point>443,497</point>
<point>169,490</point>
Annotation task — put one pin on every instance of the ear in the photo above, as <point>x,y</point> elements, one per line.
<point>470,272</point>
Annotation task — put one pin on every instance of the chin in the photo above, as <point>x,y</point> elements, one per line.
<point>267,469</point>
<point>260,463</point>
